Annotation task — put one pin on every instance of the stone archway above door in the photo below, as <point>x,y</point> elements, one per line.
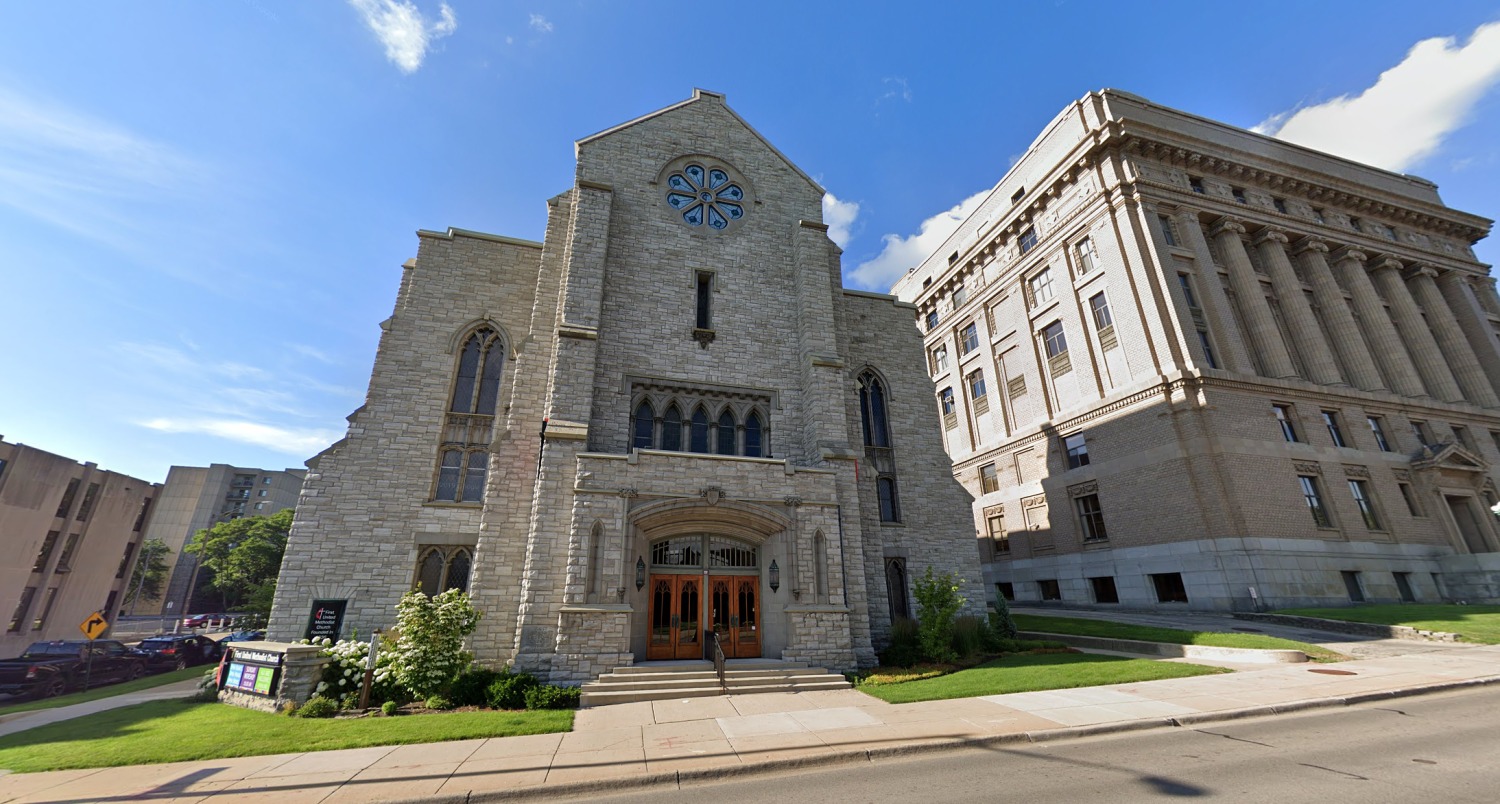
<point>746,521</point>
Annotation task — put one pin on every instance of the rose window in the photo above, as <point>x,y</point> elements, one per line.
<point>706,196</point>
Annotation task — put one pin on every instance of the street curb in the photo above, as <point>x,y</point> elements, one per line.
<point>707,775</point>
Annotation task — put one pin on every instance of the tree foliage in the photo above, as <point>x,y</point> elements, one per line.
<point>244,554</point>
<point>150,572</point>
<point>938,602</point>
<point>429,652</point>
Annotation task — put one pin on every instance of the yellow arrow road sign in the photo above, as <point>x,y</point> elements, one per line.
<point>93,625</point>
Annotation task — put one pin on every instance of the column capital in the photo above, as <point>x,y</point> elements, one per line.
<point>1227,224</point>
<point>1385,262</point>
<point>1312,244</point>
<point>1350,253</point>
<point>1451,277</point>
<point>1269,234</point>
<point>1185,212</point>
<point>1422,269</point>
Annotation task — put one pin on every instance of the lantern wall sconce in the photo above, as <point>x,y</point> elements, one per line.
<point>775,576</point>
<point>640,573</point>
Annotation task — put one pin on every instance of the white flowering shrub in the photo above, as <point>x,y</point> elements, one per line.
<point>345,671</point>
<point>429,651</point>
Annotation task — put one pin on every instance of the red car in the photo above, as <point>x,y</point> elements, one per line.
<point>195,620</point>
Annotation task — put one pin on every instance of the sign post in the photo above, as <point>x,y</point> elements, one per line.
<point>92,626</point>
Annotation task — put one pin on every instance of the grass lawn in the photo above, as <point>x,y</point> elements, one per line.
<point>1082,626</point>
<point>109,691</point>
<point>1473,623</point>
<point>1031,672</point>
<point>175,731</point>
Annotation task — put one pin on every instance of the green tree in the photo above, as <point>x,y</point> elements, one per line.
<point>149,574</point>
<point>938,602</point>
<point>243,555</point>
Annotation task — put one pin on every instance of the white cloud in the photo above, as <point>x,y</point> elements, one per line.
<point>839,215</point>
<point>300,442</point>
<point>1404,117</point>
<point>540,23</point>
<point>895,89</point>
<point>901,254</point>
<point>404,31</point>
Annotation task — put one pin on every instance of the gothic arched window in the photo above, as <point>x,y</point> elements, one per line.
<point>671,429</point>
<point>725,440</point>
<point>468,427</point>
<point>442,568</point>
<point>698,431</point>
<point>895,588</point>
<point>752,435</point>
<point>872,413</point>
<point>890,506</point>
<point>480,365</point>
<point>645,424</point>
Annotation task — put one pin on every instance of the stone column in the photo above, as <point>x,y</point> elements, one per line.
<point>1390,353</point>
<point>1450,338</point>
<point>1264,334</point>
<point>1233,350</point>
<point>1425,354</point>
<point>1468,305</point>
<point>1317,358</point>
<point>1348,341</point>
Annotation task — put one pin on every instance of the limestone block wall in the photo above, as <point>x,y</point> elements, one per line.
<point>358,522</point>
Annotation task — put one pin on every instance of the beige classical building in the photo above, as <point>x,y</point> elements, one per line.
<point>68,536</point>
<point>198,497</point>
<point>666,420</point>
<point>1180,363</point>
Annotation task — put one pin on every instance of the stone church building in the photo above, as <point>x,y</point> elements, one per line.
<point>666,420</point>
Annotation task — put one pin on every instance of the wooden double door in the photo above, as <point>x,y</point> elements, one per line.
<point>684,608</point>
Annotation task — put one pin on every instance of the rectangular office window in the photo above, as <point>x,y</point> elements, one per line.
<point>940,360</point>
<point>1167,232</point>
<point>977,390</point>
<point>999,540</point>
<point>705,300</point>
<point>1403,587</point>
<point>87,507</point>
<point>1028,239</point>
<point>45,554</point>
<point>1086,256</point>
<point>1410,497</point>
<point>1280,205</point>
<point>1423,435</point>
<point>950,414</point>
<point>1462,434</point>
<point>1186,283</point>
<point>1196,184</point>
<point>1352,586</point>
<point>1076,449</point>
<point>1284,419</point>
<point>968,338</point>
<point>960,295</point>
<point>1239,195</point>
<point>1049,589</point>
<point>1104,589</point>
<point>1090,518</point>
<point>1313,495</point>
<point>16,618</point>
<point>1331,421</point>
<point>1169,587</point>
<point>65,561</point>
<point>1361,491</point>
<point>1378,431</point>
<point>1099,307</point>
<point>1007,591</point>
<point>1054,340</point>
<point>932,321</point>
<point>989,479</point>
<point>67,498</point>
<point>46,609</point>
<point>2,467</point>
<point>1041,287</point>
<point>1208,349</point>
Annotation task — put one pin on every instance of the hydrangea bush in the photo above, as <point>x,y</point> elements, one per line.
<point>429,651</point>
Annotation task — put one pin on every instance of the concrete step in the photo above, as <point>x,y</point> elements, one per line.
<point>604,697</point>
<point>655,681</point>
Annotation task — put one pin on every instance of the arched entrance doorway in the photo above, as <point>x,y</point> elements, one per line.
<point>703,583</point>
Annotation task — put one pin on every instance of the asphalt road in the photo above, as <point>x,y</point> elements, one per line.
<point>1438,748</point>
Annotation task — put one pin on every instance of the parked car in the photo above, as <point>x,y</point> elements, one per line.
<point>47,669</point>
<point>241,636</point>
<point>174,652</point>
<point>196,620</point>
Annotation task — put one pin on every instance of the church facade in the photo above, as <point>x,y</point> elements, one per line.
<point>665,422</point>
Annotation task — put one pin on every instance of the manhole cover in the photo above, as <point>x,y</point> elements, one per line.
<point>1327,672</point>
<point>1250,630</point>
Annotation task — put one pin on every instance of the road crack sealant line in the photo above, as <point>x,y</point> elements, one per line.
<point>678,779</point>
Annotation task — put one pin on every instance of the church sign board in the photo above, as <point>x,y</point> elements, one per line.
<point>326,619</point>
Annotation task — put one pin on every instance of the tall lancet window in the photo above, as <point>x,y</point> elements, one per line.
<point>872,411</point>
<point>877,432</point>
<point>469,426</point>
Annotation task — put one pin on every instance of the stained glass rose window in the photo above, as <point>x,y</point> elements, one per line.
<point>705,196</point>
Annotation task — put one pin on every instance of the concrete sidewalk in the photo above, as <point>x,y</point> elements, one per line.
<point>21,721</point>
<point>666,742</point>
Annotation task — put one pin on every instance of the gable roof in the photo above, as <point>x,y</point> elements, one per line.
<point>702,96</point>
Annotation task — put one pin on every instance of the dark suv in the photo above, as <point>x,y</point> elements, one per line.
<point>174,652</point>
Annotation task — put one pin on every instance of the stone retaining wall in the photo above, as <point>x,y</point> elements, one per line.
<point>1345,627</point>
<point>1167,649</point>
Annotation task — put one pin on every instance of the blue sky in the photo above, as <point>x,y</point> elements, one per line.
<point>204,206</point>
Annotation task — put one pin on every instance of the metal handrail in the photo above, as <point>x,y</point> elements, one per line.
<point>717,656</point>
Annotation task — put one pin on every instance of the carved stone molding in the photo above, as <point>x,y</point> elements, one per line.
<point>1271,235</point>
<point>1387,263</point>
<point>1227,225</point>
<point>1312,244</point>
<point>1092,487</point>
<point>792,501</point>
<point>629,492</point>
<point>1351,253</point>
<point>1038,501</point>
<point>1307,468</point>
<point>712,495</point>
<point>1423,270</point>
<point>1357,471</point>
<point>1402,475</point>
